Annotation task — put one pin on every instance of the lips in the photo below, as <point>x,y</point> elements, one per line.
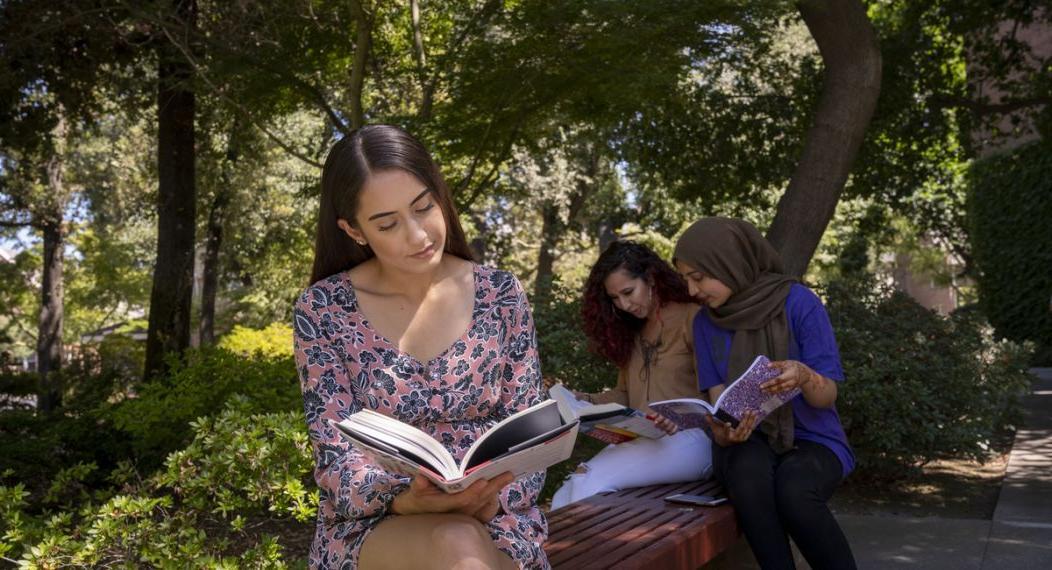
<point>425,253</point>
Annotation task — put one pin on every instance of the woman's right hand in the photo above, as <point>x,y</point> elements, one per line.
<point>724,434</point>
<point>422,496</point>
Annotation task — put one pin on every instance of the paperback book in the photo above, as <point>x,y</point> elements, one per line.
<point>741,395</point>
<point>610,423</point>
<point>530,440</point>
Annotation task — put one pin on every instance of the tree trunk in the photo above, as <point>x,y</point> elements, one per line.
<point>553,228</point>
<point>427,90</point>
<point>170,298</point>
<point>851,85</point>
<point>479,244</point>
<point>550,230</point>
<point>214,240</point>
<point>49,336</point>
<point>605,234</point>
<point>362,45</point>
<point>210,283</point>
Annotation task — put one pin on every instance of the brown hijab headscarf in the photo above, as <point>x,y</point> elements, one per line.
<point>734,252</point>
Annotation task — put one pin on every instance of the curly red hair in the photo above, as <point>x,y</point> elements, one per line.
<point>611,332</point>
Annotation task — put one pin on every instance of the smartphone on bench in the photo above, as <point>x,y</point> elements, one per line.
<point>699,500</point>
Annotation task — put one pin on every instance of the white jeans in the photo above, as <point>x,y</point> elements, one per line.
<point>684,456</point>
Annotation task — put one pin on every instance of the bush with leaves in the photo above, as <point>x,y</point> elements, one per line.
<point>240,462</point>
<point>562,344</point>
<point>200,384</point>
<point>34,446</point>
<point>272,341</point>
<point>919,386</point>
<point>203,510</point>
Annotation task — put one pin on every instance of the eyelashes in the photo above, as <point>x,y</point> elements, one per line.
<point>430,206</point>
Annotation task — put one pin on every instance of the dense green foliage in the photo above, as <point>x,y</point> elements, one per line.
<point>1011,213</point>
<point>34,446</point>
<point>565,356</point>
<point>207,474</point>
<point>199,385</point>
<point>203,510</point>
<point>920,386</point>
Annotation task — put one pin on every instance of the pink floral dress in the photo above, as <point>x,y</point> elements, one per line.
<point>345,366</point>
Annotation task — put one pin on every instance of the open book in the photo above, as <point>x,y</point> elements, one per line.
<point>611,423</point>
<point>529,440</point>
<point>741,395</point>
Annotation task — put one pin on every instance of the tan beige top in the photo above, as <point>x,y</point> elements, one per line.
<point>672,371</point>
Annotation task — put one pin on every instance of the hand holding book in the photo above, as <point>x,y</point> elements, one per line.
<point>480,500</point>
<point>724,434</point>
<point>794,374</point>
<point>663,423</point>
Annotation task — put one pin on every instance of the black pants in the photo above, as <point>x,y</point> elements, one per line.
<point>778,494</point>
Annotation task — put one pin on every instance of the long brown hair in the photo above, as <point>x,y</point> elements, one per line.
<point>351,161</point>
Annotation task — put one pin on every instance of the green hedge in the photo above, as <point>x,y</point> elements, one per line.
<point>199,384</point>
<point>920,386</point>
<point>236,497</point>
<point>1010,218</point>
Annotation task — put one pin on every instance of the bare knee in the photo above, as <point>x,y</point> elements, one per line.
<point>463,543</point>
<point>457,529</point>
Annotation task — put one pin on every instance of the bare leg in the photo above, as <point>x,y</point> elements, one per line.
<point>439,541</point>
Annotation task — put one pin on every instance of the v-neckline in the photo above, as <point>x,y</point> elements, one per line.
<point>378,335</point>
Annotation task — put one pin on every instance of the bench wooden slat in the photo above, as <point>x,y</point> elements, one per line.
<point>603,535</point>
<point>587,523</point>
<point>636,528</point>
<point>636,539</point>
<point>689,546</point>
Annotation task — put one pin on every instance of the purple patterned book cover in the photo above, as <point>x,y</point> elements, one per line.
<point>745,393</point>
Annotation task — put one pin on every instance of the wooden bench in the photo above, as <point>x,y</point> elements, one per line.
<point>636,528</point>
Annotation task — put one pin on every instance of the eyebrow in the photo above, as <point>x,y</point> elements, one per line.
<point>415,200</point>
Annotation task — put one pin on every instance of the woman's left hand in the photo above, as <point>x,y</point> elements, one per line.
<point>794,374</point>
<point>491,506</point>
<point>663,423</point>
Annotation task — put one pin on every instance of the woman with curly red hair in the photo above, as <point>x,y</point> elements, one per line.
<point>638,314</point>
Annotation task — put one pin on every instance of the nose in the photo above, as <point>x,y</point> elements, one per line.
<point>620,303</point>
<point>416,233</point>
<point>692,288</point>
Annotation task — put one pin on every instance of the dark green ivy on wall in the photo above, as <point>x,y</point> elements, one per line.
<point>1010,214</point>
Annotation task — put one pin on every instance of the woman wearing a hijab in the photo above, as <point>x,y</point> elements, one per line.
<point>780,476</point>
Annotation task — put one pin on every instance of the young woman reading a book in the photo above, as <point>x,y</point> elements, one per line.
<point>401,321</point>
<point>780,476</point>
<point>637,313</point>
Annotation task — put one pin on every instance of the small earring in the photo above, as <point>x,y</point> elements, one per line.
<point>361,242</point>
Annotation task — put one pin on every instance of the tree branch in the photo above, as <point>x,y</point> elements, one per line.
<point>426,86</point>
<point>362,45</point>
<point>238,107</point>
<point>479,18</point>
<point>418,37</point>
<point>983,109</point>
<point>313,92</point>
